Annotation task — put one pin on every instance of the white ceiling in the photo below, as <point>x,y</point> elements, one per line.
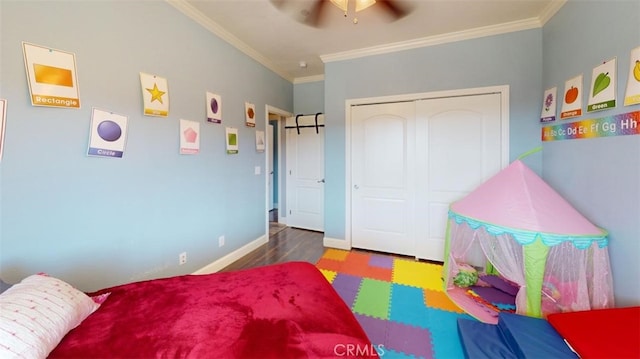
<point>278,39</point>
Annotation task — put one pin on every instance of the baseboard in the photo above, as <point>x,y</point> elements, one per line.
<point>336,243</point>
<point>232,257</point>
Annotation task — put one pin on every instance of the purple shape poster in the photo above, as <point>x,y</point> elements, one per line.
<point>108,134</point>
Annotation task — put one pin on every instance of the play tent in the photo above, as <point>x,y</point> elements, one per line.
<point>517,227</point>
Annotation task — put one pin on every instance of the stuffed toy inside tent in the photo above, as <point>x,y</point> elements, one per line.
<point>515,244</point>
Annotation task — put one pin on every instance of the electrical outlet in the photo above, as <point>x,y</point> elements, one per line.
<point>220,241</point>
<point>182,258</point>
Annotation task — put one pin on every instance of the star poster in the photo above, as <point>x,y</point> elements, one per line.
<point>155,95</point>
<point>52,76</point>
<point>189,137</point>
<point>108,134</point>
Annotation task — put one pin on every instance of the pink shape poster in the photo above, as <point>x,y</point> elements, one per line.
<point>189,137</point>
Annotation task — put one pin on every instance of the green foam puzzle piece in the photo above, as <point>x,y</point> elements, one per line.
<point>374,298</point>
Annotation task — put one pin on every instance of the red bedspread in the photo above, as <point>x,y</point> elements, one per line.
<point>279,311</point>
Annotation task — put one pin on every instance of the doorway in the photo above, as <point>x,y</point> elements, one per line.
<point>275,195</point>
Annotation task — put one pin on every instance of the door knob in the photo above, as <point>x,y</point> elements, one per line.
<point>355,186</point>
<point>321,181</point>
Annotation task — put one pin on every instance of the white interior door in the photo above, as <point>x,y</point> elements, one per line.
<point>383,176</point>
<point>461,150</point>
<point>305,173</point>
<point>411,160</point>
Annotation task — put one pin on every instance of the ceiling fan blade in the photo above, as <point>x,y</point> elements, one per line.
<point>396,10</point>
<point>315,16</point>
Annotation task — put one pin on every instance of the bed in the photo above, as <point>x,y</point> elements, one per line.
<point>284,310</point>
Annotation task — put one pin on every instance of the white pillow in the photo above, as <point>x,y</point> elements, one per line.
<point>37,313</point>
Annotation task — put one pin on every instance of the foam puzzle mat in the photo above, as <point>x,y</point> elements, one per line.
<point>400,303</point>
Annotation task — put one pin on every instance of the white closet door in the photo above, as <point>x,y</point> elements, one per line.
<point>383,177</point>
<point>459,148</point>
<point>305,174</point>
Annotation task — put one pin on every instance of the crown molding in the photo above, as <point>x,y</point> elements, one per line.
<point>513,26</point>
<point>306,79</point>
<point>218,30</point>
<point>550,10</point>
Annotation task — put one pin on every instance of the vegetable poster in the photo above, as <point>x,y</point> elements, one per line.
<point>52,76</point>
<point>572,98</point>
<point>603,87</point>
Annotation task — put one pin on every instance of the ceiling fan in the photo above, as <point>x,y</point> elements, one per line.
<point>315,14</point>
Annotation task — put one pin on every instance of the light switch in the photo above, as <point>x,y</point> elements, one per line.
<point>257,170</point>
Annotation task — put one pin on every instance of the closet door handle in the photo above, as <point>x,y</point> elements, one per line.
<point>355,186</point>
<point>321,181</point>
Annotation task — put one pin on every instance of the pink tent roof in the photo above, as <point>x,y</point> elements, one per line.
<point>518,198</point>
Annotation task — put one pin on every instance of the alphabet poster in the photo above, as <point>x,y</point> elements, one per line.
<point>189,137</point>
<point>155,95</point>
<point>549,105</point>
<point>603,87</point>
<point>108,134</point>
<point>572,98</point>
<point>214,108</point>
<point>632,96</point>
<point>52,76</point>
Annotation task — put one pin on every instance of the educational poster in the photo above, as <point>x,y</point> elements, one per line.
<point>549,105</point>
<point>155,95</point>
<point>603,87</point>
<point>250,114</point>
<point>624,124</point>
<point>572,98</point>
<point>3,120</point>
<point>632,95</point>
<point>232,140</point>
<point>108,134</point>
<point>52,76</point>
<point>214,108</point>
<point>260,144</point>
<point>189,137</point>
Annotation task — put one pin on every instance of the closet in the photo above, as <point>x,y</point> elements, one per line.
<point>410,159</point>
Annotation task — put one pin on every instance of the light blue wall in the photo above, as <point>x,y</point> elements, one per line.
<point>308,97</point>
<point>600,176</point>
<point>103,221</point>
<point>513,59</point>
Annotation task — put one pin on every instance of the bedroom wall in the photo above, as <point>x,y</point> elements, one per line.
<point>599,176</point>
<point>513,59</point>
<point>308,97</point>
<point>102,221</point>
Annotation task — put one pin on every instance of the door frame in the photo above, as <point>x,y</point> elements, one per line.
<point>283,115</point>
<point>504,110</point>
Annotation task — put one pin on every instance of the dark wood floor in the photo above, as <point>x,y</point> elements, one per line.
<point>290,244</point>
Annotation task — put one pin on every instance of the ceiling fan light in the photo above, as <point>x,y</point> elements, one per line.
<point>342,4</point>
<point>363,4</point>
